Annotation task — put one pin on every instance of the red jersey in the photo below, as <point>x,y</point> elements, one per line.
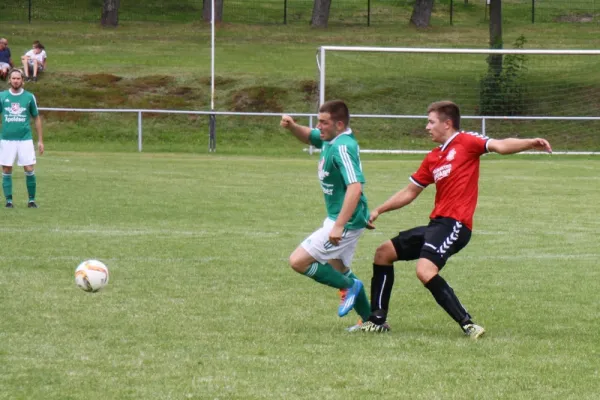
<point>454,167</point>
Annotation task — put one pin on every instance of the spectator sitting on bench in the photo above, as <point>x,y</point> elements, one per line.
<point>5,61</point>
<point>34,61</point>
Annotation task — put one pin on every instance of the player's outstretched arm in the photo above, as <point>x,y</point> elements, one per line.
<point>398,200</point>
<point>512,145</point>
<point>300,131</point>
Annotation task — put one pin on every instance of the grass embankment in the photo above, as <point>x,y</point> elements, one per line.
<point>272,69</point>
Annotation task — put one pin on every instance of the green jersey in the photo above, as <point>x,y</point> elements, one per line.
<point>16,111</point>
<point>339,166</point>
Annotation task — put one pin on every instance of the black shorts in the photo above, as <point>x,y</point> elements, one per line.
<point>436,242</point>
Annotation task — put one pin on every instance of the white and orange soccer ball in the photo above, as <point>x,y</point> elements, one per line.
<point>91,275</point>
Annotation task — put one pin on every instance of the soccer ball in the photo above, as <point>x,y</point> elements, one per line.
<point>91,275</point>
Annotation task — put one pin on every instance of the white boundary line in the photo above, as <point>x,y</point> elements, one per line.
<point>138,232</point>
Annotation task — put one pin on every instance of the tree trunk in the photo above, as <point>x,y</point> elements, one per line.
<point>421,13</point>
<point>110,13</point>
<point>495,61</point>
<point>320,15</point>
<point>206,10</point>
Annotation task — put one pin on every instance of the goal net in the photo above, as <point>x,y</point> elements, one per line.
<point>510,92</point>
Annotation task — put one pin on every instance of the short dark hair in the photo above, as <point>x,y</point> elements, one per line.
<point>337,109</point>
<point>446,110</point>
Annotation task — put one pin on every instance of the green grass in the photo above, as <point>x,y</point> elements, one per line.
<point>201,302</point>
<point>202,305</point>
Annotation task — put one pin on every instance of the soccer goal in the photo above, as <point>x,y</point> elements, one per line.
<point>501,93</point>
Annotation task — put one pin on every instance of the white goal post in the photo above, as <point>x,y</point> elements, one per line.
<point>538,105</point>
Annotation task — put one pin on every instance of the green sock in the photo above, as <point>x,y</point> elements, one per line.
<point>327,275</point>
<point>7,186</point>
<point>31,184</point>
<point>362,305</point>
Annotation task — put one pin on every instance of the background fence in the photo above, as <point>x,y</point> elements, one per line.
<point>479,120</point>
<point>343,12</point>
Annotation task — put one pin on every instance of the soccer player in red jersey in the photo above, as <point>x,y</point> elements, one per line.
<point>454,168</point>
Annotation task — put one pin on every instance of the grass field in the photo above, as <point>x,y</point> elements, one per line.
<point>201,303</point>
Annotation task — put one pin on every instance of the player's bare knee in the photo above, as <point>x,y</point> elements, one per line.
<point>385,254</point>
<point>297,264</point>
<point>425,271</point>
<point>422,276</point>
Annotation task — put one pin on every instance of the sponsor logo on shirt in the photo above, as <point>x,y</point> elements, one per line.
<point>327,189</point>
<point>442,172</point>
<point>15,113</point>
<point>451,155</point>
<point>322,173</point>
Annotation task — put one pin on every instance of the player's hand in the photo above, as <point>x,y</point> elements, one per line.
<point>286,121</point>
<point>336,235</point>
<point>541,145</point>
<point>41,148</point>
<point>372,217</point>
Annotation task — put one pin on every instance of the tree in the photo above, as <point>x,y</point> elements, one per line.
<point>505,92</point>
<point>495,60</point>
<point>320,15</point>
<point>206,10</point>
<point>503,89</point>
<point>110,13</point>
<point>421,13</point>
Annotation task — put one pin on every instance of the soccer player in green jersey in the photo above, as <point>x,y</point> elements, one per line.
<point>326,255</point>
<point>17,107</point>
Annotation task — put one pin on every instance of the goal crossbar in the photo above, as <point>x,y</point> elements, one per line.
<point>457,50</point>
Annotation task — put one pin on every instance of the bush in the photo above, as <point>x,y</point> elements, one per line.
<point>502,89</point>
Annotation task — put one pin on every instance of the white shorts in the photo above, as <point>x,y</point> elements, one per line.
<point>40,66</point>
<point>4,65</point>
<point>319,247</point>
<point>21,149</point>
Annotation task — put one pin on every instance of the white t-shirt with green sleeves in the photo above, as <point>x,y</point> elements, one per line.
<point>339,166</point>
<point>16,111</point>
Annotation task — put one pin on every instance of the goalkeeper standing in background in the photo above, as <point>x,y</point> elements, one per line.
<point>326,255</point>
<point>453,167</point>
<point>17,106</point>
